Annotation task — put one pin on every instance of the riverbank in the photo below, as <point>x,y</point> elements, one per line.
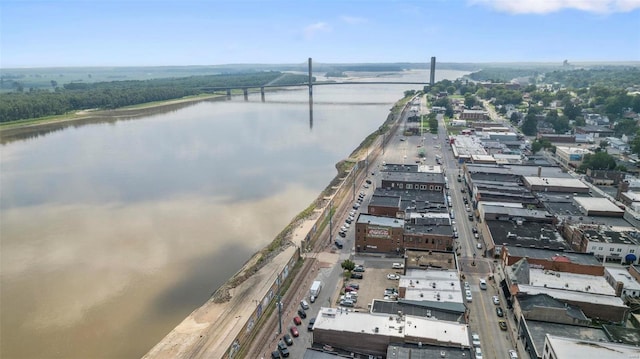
<point>18,130</point>
<point>229,319</point>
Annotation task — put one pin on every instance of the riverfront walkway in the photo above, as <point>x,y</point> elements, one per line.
<point>209,331</point>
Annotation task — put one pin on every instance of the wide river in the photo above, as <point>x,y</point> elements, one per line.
<point>112,233</point>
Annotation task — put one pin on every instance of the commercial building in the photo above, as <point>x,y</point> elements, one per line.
<point>624,284</point>
<point>474,115</point>
<point>379,234</point>
<point>372,334</point>
<point>571,156</point>
<point>609,243</point>
<point>556,347</point>
<point>591,293</point>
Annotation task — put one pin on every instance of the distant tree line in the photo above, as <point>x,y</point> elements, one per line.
<point>500,74</point>
<point>21,104</point>
<point>612,77</point>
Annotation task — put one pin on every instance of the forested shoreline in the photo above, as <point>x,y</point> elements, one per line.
<point>21,105</point>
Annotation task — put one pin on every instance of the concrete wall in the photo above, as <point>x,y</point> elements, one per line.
<point>366,342</point>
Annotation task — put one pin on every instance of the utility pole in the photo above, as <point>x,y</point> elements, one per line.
<point>279,309</point>
<point>330,219</point>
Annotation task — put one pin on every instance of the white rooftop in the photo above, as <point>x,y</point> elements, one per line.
<point>429,168</point>
<point>597,204</point>
<point>410,215</point>
<point>452,333</point>
<point>622,275</point>
<point>555,181</point>
<point>570,281</point>
<point>584,297</point>
<point>427,285</point>
<point>340,319</point>
<point>567,348</point>
<point>633,196</point>
<point>573,150</point>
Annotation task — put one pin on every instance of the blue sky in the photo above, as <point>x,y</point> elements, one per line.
<point>190,32</point>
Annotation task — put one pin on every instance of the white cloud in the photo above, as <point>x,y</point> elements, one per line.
<point>548,6</point>
<point>311,30</point>
<point>353,20</point>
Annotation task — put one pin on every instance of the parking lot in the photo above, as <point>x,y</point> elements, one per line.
<point>374,281</point>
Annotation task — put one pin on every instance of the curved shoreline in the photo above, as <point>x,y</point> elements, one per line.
<point>20,130</point>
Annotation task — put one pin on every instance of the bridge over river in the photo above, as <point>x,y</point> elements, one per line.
<point>310,83</point>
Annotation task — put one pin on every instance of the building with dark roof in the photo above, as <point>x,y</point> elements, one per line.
<point>543,307</point>
<point>525,234</point>
<point>533,334</point>
<point>418,181</point>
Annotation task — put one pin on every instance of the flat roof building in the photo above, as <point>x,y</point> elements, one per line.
<point>555,184</point>
<point>591,206</point>
<point>556,347</point>
<point>372,333</point>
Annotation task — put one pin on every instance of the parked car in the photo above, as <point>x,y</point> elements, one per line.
<point>312,322</point>
<point>499,312</point>
<point>294,331</point>
<point>358,268</point>
<point>496,300</point>
<point>275,355</point>
<point>468,296</point>
<point>342,234</point>
<point>297,320</point>
<point>503,325</point>
<point>475,339</point>
<point>397,265</point>
<point>356,275</point>
<point>346,303</point>
<point>478,353</point>
<point>287,339</point>
<point>355,286</point>
<point>356,205</point>
<point>282,348</point>
<point>348,220</point>
<point>393,276</point>
<point>513,354</point>
<point>349,289</point>
<point>304,304</point>
<point>302,313</point>
<point>467,286</point>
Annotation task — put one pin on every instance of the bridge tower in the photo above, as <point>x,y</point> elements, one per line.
<point>432,73</point>
<point>310,79</point>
